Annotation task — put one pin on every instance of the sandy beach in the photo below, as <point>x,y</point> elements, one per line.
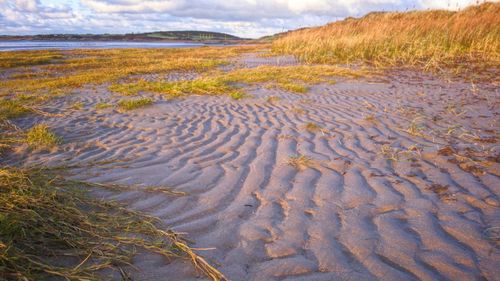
<point>393,176</point>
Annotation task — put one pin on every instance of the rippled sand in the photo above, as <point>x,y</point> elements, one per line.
<point>352,214</point>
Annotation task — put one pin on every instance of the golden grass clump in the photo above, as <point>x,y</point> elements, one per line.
<point>313,127</point>
<point>427,38</point>
<point>50,228</point>
<point>40,136</point>
<point>134,103</point>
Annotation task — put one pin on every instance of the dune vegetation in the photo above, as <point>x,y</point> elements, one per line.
<point>430,39</point>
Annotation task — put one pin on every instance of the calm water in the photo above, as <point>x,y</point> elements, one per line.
<point>65,45</point>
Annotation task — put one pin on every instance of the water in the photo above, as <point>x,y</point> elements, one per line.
<point>66,45</point>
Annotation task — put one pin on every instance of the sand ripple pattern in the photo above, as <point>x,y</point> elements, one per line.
<point>352,215</point>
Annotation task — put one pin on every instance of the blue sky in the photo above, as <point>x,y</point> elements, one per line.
<point>246,18</point>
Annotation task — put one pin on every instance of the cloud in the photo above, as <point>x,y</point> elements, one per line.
<point>246,18</point>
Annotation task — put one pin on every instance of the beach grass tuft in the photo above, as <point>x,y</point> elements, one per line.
<point>40,136</point>
<point>126,105</point>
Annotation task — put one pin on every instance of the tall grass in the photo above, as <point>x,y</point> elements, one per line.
<point>430,39</point>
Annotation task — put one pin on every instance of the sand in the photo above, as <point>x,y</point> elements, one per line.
<point>352,214</point>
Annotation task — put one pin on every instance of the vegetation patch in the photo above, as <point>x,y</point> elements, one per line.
<point>134,104</point>
<point>430,39</point>
<point>300,162</point>
<point>238,95</point>
<point>103,105</point>
<point>40,136</point>
<point>313,127</point>
<point>290,78</point>
<point>12,109</point>
<point>45,219</point>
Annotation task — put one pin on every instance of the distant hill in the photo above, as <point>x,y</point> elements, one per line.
<point>198,36</point>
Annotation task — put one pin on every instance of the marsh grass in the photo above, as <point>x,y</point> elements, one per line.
<point>290,78</point>
<point>430,39</point>
<point>40,137</point>
<point>46,219</point>
<point>126,105</point>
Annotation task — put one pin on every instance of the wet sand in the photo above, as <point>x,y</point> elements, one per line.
<point>351,214</point>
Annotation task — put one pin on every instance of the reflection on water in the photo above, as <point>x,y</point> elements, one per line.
<point>64,45</point>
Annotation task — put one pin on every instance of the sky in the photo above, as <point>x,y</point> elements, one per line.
<point>244,18</point>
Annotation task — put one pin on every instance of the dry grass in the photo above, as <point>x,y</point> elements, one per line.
<point>300,162</point>
<point>427,38</point>
<point>45,219</point>
<point>313,127</point>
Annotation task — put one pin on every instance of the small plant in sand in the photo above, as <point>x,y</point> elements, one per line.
<point>389,153</point>
<point>298,110</point>
<point>103,105</point>
<point>40,136</point>
<point>126,105</point>
<point>293,87</point>
<point>313,127</point>
<point>238,95</point>
<point>415,129</point>
<point>77,105</point>
<point>300,162</point>
<point>273,99</point>
<point>371,118</point>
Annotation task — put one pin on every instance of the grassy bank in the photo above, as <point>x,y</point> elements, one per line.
<point>431,39</point>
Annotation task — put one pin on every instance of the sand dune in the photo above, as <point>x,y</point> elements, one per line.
<point>347,214</point>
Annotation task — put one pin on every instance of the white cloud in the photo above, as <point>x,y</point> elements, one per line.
<point>246,18</point>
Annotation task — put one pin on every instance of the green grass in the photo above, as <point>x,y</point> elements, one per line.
<point>46,219</point>
<point>238,95</point>
<point>12,109</point>
<point>289,78</point>
<point>134,103</point>
<point>202,86</point>
<point>102,105</point>
<point>40,136</point>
